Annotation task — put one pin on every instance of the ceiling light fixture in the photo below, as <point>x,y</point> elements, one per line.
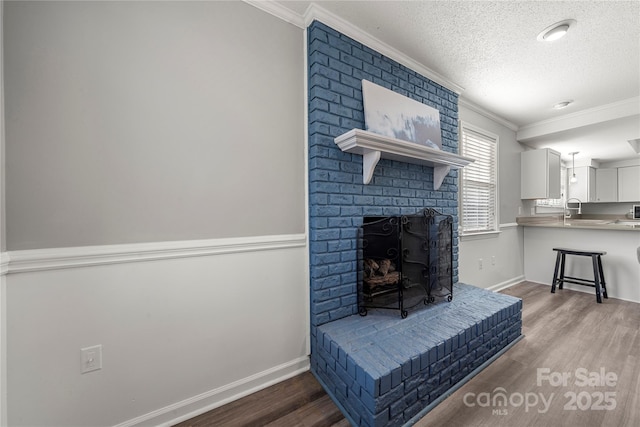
<point>573,179</point>
<point>556,31</point>
<point>561,105</point>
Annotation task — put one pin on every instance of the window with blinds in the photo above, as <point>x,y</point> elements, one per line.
<point>479,181</point>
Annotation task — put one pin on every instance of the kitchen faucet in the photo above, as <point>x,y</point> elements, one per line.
<point>567,212</point>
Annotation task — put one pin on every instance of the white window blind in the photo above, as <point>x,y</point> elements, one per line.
<point>479,181</point>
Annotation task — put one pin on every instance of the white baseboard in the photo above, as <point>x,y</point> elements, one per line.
<point>506,284</point>
<point>585,290</point>
<point>198,405</point>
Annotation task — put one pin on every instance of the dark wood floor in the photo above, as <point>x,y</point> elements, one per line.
<point>299,401</point>
<point>564,332</point>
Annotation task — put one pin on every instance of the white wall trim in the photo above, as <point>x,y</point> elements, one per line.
<point>315,12</point>
<point>508,225</point>
<point>197,405</point>
<point>621,163</point>
<point>279,11</point>
<point>476,236</point>
<point>602,113</point>
<point>4,263</point>
<point>84,256</point>
<point>583,289</point>
<point>463,102</point>
<point>506,284</point>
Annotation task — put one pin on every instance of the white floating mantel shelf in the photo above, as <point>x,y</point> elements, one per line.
<point>373,147</point>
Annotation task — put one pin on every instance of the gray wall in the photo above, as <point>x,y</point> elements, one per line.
<point>138,122</point>
<point>146,122</point>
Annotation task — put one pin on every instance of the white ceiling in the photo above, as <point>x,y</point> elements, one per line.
<point>489,48</point>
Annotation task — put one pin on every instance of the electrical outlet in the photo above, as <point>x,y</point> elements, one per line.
<point>493,260</point>
<point>90,359</point>
<point>479,263</point>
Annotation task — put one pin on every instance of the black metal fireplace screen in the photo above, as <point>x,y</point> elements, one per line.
<point>405,261</point>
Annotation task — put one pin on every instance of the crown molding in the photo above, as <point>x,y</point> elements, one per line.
<point>279,11</point>
<point>603,113</point>
<point>318,13</point>
<point>462,102</point>
<point>315,12</point>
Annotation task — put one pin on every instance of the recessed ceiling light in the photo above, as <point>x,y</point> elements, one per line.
<point>561,105</point>
<point>556,31</point>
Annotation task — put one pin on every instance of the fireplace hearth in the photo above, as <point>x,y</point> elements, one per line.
<point>406,261</point>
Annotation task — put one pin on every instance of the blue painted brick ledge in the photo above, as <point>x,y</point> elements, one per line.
<point>383,370</point>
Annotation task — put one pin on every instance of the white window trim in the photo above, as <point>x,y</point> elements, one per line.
<point>477,235</point>
<point>480,233</point>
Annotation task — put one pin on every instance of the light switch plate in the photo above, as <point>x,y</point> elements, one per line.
<point>90,359</point>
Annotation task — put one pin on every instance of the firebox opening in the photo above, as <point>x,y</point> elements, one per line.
<point>406,261</point>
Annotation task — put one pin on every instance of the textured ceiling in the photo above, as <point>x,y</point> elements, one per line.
<point>490,49</point>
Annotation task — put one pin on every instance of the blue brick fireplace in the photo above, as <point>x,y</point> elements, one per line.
<point>350,355</point>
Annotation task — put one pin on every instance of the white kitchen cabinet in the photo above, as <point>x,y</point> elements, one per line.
<point>607,185</point>
<point>585,188</point>
<point>629,184</point>
<point>540,174</point>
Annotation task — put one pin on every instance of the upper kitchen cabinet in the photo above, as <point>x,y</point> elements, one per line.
<point>540,174</point>
<point>584,189</point>
<point>629,184</point>
<point>607,185</point>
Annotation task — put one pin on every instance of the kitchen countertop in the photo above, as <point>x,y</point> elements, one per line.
<point>592,222</point>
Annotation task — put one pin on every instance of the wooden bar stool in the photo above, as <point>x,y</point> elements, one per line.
<point>598,275</point>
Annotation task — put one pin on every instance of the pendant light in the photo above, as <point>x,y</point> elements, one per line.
<point>573,179</point>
